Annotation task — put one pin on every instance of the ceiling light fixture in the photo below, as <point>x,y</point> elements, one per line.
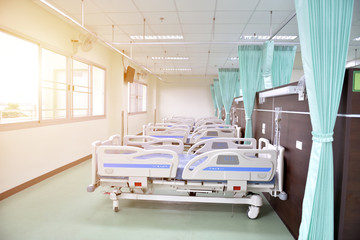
<point>170,58</point>
<point>156,37</point>
<point>266,37</point>
<point>233,58</point>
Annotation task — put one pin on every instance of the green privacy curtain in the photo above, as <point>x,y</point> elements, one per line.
<point>324,29</point>
<point>251,80</point>
<point>282,65</point>
<point>228,77</point>
<point>267,62</point>
<point>218,98</point>
<point>213,98</point>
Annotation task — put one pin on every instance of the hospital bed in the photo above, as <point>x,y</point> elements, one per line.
<point>222,143</point>
<point>230,176</point>
<point>161,126</point>
<point>167,132</point>
<point>180,120</point>
<point>209,122</point>
<point>207,133</point>
<point>148,142</point>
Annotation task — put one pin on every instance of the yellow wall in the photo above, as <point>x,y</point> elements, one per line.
<point>28,153</point>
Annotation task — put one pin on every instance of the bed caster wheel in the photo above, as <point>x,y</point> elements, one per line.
<point>253,212</point>
<point>90,188</point>
<point>116,209</point>
<point>283,196</point>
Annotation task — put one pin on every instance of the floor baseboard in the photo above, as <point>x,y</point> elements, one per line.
<point>36,180</point>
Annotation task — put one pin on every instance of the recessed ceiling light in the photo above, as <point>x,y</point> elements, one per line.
<point>357,39</point>
<point>233,58</point>
<point>170,58</point>
<point>266,37</point>
<point>156,37</point>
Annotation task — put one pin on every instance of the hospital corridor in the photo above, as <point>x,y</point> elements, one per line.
<point>179,119</point>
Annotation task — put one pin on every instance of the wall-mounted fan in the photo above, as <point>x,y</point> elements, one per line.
<point>85,42</point>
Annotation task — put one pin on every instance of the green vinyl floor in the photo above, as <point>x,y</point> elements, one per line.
<point>60,208</point>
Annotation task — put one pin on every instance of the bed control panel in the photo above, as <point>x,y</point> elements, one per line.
<point>219,145</point>
<point>227,160</point>
<point>212,134</point>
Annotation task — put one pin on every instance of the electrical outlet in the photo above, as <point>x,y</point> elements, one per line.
<point>263,128</point>
<point>299,145</point>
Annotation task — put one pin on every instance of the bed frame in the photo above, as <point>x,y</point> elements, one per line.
<point>148,142</point>
<point>208,133</point>
<point>229,176</point>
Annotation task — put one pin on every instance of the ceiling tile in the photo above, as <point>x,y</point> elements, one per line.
<point>115,5</point>
<point>235,5</point>
<point>230,64</point>
<point>225,37</point>
<point>229,28</point>
<point>149,50</point>
<point>155,18</point>
<point>224,49</point>
<point>205,37</point>
<point>74,7</point>
<point>279,5</point>
<point>169,29</point>
<point>356,13</point>
<point>135,29</point>
<point>196,28</point>
<point>288,30</point>
<point>95,19</point>
<point>176,50</point>
<point>126,18</point>
<point>118,38</point>
<point>198,5</point>
<point>101,29</point>
<point>232,17</point>
<point>264,17</point>
<point>155,5</point>
<point>259,29</point>
<point>199,49</point>
<point>196,17</point>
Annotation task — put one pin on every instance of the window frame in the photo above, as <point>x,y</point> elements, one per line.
<point>69,82</point>
<point>137,99</point>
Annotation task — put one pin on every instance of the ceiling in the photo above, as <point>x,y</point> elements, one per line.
<point>211,29</point>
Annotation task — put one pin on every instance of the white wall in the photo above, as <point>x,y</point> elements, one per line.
<point>190,97</point>
<point>28,153</point>
<point>298,70</point>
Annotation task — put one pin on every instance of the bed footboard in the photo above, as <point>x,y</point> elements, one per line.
<point>232,164</point>
<point>123,161</point>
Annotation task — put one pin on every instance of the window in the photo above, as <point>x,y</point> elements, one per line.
<point>68,89</point>
<point>53,85</point>
<point>19,80</point>
<point>137,97</point>
<point>81,89</point>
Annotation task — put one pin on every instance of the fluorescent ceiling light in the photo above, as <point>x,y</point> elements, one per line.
<point>233,58</point>
<point>170,58</point>
<point>156,37</point>
<point>177,69</point>
<point>266,37</point>
<point>357,39</point>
